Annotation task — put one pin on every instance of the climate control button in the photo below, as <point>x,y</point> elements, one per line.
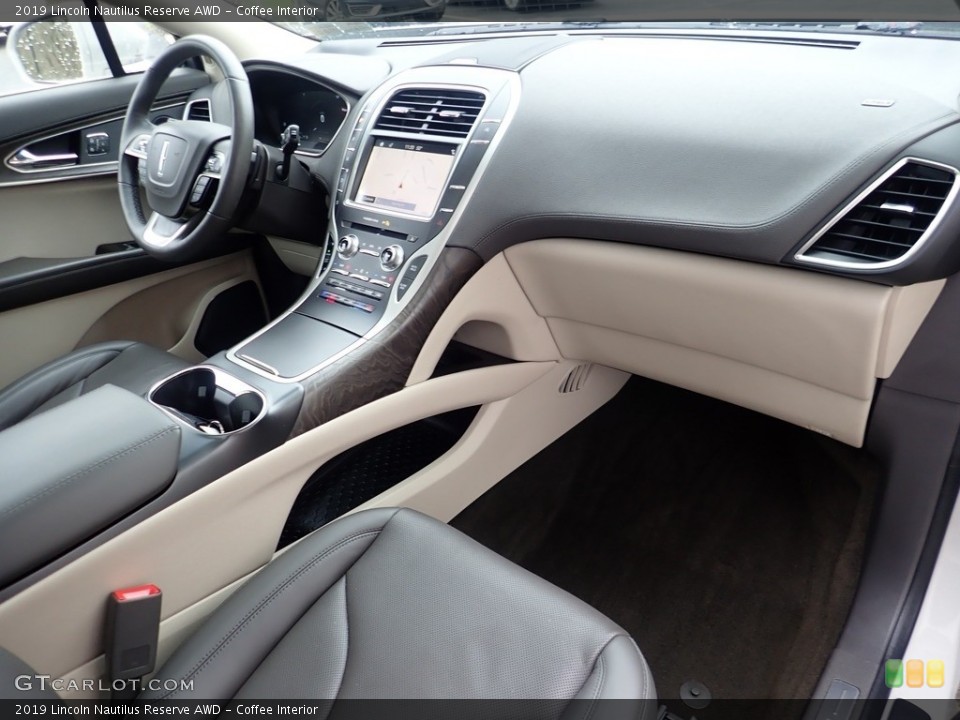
<point>391,257</point>
<point>348,245</point>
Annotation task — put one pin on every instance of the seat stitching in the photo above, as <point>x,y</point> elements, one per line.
<point>105,461</point>
<point>239,626</point>
<point>596,693</point>
<point>597,661</point>
<point>346,656</point>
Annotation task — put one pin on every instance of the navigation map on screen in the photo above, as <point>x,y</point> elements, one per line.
<point>406,177</point>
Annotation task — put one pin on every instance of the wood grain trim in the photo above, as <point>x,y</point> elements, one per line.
<point>381,365</point>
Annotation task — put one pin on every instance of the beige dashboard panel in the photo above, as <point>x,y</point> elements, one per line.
<point>797,345</point>
<point>490,312</point>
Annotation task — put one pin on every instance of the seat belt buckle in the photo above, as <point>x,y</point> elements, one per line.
<point>132,632</point>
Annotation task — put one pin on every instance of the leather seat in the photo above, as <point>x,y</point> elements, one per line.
<point>393,604</point>
<point>133,366</point>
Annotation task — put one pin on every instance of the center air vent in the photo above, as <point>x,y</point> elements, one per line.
<point>889,221</point>
<point>199,110</point>
<point>422,111</point>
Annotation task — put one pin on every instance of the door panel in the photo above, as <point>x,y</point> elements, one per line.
<point>60,219</point>
<point>161,308</point>
<point>69,273</point>
<point>78,104</point>
<point>80,150</point>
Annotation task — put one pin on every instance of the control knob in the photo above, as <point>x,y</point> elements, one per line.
<point>348,245</point>
<point>391,257</point>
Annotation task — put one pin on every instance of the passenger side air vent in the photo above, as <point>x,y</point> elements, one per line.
<point>421,111</point>
<point>889,221</point>
<point>199,110</point>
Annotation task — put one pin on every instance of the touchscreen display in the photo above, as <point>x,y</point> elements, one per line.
<point>406,176</point>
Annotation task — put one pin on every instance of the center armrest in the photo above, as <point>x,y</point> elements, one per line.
<point>71,471</point>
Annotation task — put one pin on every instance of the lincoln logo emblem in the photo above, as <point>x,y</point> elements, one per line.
<point>163,157</point>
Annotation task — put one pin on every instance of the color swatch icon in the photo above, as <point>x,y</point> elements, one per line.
<point>896,673</point>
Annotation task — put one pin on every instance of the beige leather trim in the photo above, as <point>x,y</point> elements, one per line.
<point>62,219</point>
<point>503,436</point>
<point>781,396</point>
<point>490,312</point>
<point>908,309</point>
<point>299,257</point>
<point>36,334</point>
<point>167,315</point>
<point>797,345</point>
<point>223,532</point>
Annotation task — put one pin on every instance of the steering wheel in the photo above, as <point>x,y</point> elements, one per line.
<point>193,172</point>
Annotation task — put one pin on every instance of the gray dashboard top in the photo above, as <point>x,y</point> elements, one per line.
<point>737,146</point>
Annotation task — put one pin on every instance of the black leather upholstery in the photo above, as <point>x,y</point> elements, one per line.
<point>129,365</point>
<point>393,604</point>
<point>77,468</point>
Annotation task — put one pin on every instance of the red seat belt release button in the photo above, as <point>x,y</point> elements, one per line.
<point>132,630</point>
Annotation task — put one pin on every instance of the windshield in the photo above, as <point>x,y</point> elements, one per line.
<point>405,18</point>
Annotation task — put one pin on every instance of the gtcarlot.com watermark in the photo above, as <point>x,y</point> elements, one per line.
<point>24,683</point>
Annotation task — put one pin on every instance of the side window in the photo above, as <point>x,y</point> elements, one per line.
<point>138,43</point>
<point>37,54</point>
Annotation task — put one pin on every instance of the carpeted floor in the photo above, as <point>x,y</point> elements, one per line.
<point>726,542</point>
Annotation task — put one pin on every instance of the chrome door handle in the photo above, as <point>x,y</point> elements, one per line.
<point>24,159</point>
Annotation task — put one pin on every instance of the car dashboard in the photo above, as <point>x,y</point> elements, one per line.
<point>513,225</point>
<point>643,189</point>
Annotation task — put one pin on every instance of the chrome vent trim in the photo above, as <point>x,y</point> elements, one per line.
<point>442,112</point>
<point>914,217</point>
<point>198,110</point>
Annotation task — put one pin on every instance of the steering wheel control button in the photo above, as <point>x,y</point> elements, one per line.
<point>391,257</point>
<point>199,190</point>
<point>214,164</point>
<point>348,245</point>
<point>409,275</point>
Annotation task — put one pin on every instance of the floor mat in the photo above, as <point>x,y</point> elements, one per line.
<point>726,542</point>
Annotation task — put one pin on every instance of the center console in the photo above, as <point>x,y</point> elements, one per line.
<point>417,147</point>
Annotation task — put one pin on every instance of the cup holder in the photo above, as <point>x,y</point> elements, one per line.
<point>209,400</point>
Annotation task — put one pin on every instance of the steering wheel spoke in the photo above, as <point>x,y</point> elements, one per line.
<point>138,146</point>
<point>160,230</point>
